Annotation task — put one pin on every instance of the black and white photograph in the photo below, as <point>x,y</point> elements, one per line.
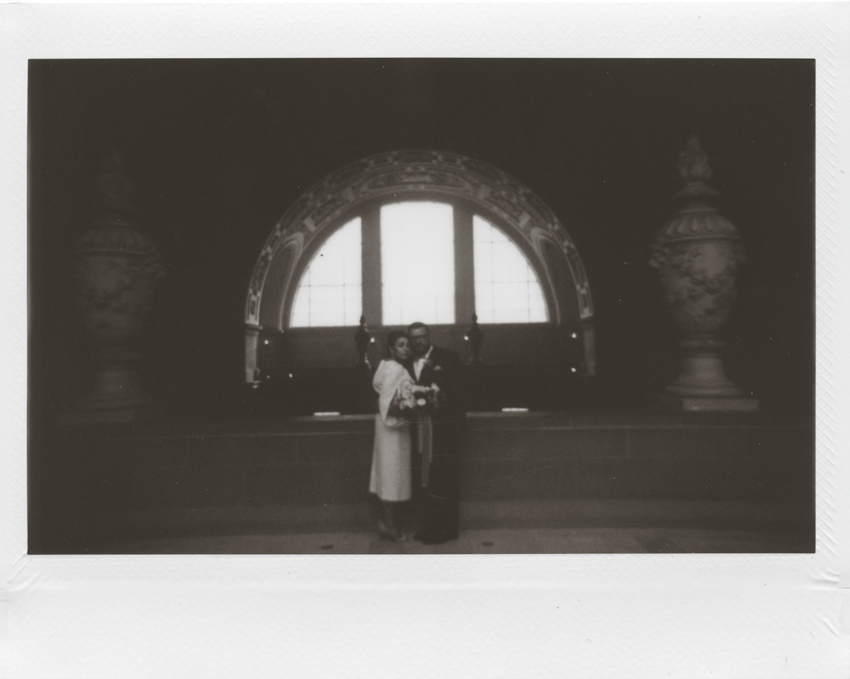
<point>405,306</point>
<point>469,340</point>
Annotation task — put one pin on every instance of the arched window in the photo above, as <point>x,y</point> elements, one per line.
<point>507,289</point>
<point>417,263</point>
<point>330,292</point>
<point>418,259</point>
<point>418,235</point>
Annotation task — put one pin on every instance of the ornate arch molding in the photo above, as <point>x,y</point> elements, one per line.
<point>408,173</point>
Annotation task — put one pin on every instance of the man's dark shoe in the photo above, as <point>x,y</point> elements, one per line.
<point>438,538</point>
<point>422,535</point>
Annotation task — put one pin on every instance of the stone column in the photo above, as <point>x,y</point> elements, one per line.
<point>117,269</point>
<point>697,255</point>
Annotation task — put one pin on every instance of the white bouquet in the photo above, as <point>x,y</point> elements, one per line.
<point>411,399</point>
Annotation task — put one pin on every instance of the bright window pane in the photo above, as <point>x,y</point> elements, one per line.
<point>331,290</point>
<point>417,263</point>
<point>506,287</point>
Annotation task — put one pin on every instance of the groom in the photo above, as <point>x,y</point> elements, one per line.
<point>433,365</point>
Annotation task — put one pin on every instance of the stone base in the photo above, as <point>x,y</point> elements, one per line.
<point>324,462</point>
<point>708,404</point>
<point>83,417</point>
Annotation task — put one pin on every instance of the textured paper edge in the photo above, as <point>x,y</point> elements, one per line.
<point>648,615</point>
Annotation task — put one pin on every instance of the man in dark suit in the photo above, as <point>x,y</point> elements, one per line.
<point>436,366</point>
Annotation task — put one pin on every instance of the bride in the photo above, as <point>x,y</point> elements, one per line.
<point>391,455</point>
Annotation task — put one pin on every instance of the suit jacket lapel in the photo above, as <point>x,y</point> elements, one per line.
<point>425,375</point>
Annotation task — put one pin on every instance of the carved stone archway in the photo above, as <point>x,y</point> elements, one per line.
<point>402,175</point>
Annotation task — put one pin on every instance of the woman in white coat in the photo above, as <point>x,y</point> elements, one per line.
<point>391,480</point>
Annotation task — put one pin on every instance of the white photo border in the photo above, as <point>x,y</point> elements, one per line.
<point>671,615</point>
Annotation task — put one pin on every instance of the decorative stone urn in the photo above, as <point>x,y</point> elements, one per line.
<point>697,254</point>
<point>118,269</point>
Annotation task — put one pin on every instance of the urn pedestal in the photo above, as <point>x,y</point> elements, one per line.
<point>117,269</point>
<point>697,255</point>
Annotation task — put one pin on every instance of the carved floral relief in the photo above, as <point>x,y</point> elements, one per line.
<point>697,255</point>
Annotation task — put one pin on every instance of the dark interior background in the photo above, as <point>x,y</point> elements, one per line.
<point>218,151</point>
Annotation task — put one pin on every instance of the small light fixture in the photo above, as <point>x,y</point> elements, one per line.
<point>514,410</point>
<point>572,370</point>
<point>265,341</point>
<point>574,336</point>
<point>327,414</point>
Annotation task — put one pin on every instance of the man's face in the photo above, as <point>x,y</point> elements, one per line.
<point>421,341</point>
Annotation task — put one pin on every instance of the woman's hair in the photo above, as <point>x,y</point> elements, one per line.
<point>393,336</point>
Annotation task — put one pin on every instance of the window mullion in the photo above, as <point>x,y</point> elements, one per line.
<point>371,246</point>
<point>464,266</point>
